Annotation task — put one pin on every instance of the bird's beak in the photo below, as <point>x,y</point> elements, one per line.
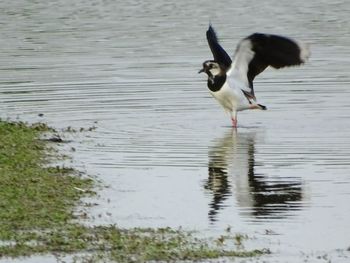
<point>201,71</point>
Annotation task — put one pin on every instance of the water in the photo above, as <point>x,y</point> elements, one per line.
<point>163,145</point>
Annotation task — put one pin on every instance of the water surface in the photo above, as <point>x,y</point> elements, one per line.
<point>163,145</point>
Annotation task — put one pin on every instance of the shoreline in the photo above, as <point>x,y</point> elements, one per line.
<point>38,202</point>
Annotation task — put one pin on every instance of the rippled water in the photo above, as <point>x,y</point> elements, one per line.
<point>163,145</point>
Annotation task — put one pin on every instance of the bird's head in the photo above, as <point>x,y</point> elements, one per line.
<point>212,69</point>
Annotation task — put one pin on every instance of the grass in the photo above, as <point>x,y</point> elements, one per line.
<point>37,211</point>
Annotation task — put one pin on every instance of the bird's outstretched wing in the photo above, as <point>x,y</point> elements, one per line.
<point>219,53</point>
<point>258,51</point>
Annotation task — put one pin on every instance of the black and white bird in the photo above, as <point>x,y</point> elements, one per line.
<point>231,82</point>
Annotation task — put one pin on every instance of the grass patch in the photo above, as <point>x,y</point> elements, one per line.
<point>37,211</point>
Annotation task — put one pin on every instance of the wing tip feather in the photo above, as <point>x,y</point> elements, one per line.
<point>305,52</point>
<point>211,34</point>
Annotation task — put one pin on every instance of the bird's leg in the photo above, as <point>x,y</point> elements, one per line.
<point>234,122</point>
<point>234,119</point>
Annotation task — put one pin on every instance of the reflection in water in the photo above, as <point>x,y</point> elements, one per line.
<point>217,183</point>
<point>232,158</point>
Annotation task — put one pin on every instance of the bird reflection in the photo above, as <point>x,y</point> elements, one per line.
<point>231,171</point>
<point>218,184</point>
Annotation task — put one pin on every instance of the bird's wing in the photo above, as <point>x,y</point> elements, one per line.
<point>258,51</point>
<point>219,53</point>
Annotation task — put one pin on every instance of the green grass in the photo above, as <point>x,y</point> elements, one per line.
<point>37,211</point>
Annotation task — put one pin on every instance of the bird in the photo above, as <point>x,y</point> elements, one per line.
<point>230,82</point>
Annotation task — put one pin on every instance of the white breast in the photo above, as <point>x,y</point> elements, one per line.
<point>231,97</point>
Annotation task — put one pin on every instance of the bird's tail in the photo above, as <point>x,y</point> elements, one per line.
<point>262,107</point>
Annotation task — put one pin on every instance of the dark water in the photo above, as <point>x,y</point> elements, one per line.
<point>163,145</point>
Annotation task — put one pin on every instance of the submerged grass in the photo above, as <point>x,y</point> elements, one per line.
<point>37,211</point>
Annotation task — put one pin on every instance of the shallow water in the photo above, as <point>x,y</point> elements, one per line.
<point>163,145</point>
